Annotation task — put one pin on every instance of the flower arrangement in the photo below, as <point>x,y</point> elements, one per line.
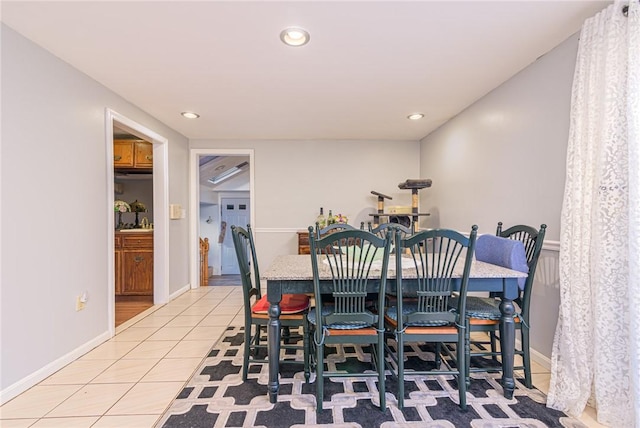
<point>121,206</point>
<point>341,218</point>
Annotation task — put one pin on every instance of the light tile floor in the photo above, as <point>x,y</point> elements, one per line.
<point>129,381</point>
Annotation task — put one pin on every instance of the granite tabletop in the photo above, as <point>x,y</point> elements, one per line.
<point>298,267</point>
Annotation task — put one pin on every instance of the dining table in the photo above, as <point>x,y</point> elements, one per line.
<point>291,274</point>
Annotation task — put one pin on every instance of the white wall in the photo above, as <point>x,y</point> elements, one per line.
<point>55,210</point>
<point>293,179</point>
<point>503,159</point>
<point>505,155</point>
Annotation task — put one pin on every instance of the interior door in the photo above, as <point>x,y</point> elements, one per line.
<point>234,211</point>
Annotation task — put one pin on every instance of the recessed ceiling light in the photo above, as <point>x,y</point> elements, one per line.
<point>190,115</point>
<point>415,116</point>
<point>295,36</point>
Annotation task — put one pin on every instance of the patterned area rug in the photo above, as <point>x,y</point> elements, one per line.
<point>217,397</point>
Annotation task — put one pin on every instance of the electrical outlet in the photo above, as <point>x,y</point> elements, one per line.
<point>80,303</point>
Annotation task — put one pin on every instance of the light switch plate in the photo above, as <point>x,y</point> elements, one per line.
<point>175,211</point>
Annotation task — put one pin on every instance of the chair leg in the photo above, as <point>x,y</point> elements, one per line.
<point>312,349</point>
<point>400,362</point>
<point>438,358</point>
<point>462,352</point>
<point>381,376</point>
<point>319,377</point>
<point>256,338</point>
<point>526,357</point>
<point>247,349</point>
<point>305,342</point>
<point>494,348</point>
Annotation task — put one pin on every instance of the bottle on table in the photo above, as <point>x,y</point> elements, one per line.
<point>331,219</point>
<point>321,219</point>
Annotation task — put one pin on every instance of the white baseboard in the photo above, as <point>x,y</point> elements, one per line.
<point>180,291</point>
<point>38,376</point>
<point>541,359</point>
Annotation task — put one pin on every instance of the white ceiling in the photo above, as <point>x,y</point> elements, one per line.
<point>368,65</point>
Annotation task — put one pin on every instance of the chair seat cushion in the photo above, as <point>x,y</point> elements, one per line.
<point>407,309</point>
<point>327,310</point>
<point>486,308</point>
<point>290,304</point>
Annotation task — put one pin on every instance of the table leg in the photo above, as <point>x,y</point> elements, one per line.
<point>274,296</point>
<point>507,345</point>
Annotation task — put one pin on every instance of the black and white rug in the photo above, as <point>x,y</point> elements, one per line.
<point>216,397</point>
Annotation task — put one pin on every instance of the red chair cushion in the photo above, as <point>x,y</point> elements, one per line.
<point>290,304</point>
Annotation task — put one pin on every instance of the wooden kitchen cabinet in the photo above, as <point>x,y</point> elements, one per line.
<point>118,264</point>
<point>132,155</point>
<point>303,241</point>
<point>134,263</point>
<point>143,154</point>
<point>123,153</point>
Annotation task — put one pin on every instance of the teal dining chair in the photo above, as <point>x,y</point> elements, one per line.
<point>293,308</point>
<point>335,227</point>
<point>425,282</point>
<point>351,267</point>
<point>484,312</point>
<point>381,229</point>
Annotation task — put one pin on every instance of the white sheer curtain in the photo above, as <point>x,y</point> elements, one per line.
<point>596,350</point>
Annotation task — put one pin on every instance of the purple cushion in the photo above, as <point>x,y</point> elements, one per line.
<point>503,252</point>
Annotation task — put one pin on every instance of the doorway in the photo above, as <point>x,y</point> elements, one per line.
<point>234,211</point>
<point>128,307</point>
<point>133,163</point>
<point>202,195</point>
<point>160,208</point>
